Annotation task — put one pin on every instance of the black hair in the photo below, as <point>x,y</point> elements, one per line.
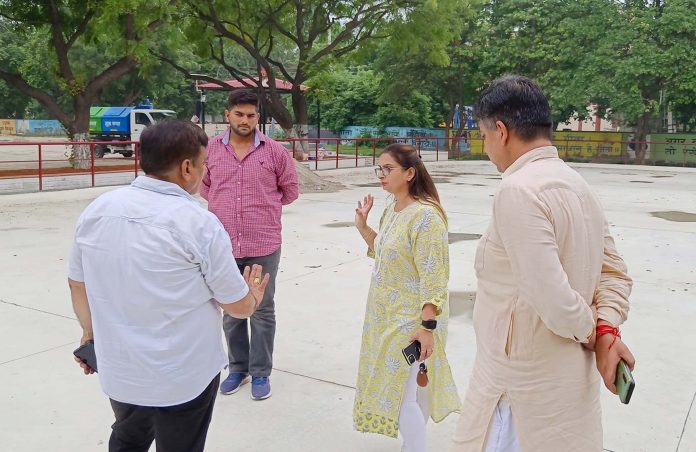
<point>242,97</point>
<point>168,143</point>
<point>519,103</point>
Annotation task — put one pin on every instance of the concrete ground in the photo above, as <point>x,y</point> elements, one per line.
<point>47,404</point>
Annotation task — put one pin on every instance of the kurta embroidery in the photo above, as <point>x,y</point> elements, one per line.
<point>411,269</point>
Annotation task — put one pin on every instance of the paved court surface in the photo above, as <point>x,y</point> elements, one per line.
<point>47,404</point>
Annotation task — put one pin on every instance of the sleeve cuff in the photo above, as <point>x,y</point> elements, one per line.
<point>609,315</point>
<point>438,306</point>
<point>76,277</point>
<point>233,298</point>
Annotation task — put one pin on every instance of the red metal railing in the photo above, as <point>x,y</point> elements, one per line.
<point>329,153</point>
<point>23,168</point>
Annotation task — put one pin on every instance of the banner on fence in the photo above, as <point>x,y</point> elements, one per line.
<point>585,145</point>
<point>673,148</point>
<point>426,138</point>
<point>588,145</point>
<point>41,127</point>
<point>8,127</point>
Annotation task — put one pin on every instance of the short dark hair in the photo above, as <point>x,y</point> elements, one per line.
<point>166,144</point>
<point>519,103</point>
<point>243,97</point>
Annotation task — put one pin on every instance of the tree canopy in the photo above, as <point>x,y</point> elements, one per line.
<point>378,62</point>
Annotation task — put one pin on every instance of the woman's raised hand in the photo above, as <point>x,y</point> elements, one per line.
<point>363,210</point>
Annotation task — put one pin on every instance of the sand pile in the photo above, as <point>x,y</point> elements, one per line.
<point>310,182</point>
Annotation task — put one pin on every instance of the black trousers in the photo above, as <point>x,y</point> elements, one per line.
<point>178,428</point>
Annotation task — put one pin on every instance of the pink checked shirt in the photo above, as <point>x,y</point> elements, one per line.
<point>248,196</point>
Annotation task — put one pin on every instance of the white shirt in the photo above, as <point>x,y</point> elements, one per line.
<point>154,262</point>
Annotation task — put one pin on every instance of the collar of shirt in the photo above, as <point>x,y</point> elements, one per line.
<point>258,138</point>
<point>161,186</point>
<point>544,152</point>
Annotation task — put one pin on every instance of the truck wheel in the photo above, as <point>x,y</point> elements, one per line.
<point>128,154</point>
<point>100,150</point>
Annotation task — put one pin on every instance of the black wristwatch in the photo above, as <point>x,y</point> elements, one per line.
<point>429,324</point>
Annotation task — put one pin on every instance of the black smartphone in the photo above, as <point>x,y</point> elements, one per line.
<point>625,384</point>
<point>412,352</point>
<point>86,354</point>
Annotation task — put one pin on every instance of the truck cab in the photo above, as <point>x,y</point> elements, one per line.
<point>118,124</point>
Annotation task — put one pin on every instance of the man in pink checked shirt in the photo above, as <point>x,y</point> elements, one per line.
<point>250,178</point>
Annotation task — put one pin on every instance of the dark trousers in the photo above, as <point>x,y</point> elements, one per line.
<point>178,428</point>
<point>254,356</point>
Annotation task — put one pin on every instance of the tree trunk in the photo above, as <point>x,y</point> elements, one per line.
<point>449,140</point>
<point>274,107</point>
<point>300,129</point>
<point>80,154</point>
<point>641,137</point>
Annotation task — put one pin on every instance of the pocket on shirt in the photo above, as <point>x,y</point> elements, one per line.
<point>479,259</point>
<point>519,344</point>
<point>267,172</point>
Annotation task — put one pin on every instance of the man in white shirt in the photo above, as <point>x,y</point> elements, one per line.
<point>149,271</point>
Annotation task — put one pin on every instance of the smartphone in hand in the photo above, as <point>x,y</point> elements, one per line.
<point>86,354</point>
<point>625,384</point>
<point>412,352</point>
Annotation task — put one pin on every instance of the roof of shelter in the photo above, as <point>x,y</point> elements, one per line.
<point>281,85</point>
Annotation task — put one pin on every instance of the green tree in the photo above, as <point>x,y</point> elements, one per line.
<point>449,75</point>
<point>298,40</point>
<point>355,96</point>
<point>630,58</point>
<point>349,97</point>
<point>87,45</point>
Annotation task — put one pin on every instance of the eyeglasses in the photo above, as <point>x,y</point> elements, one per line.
<point>384,171</point>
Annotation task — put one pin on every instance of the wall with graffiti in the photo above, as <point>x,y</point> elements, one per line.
<point>32,127</point>
<point>676,149</point>
<point>428,138</point>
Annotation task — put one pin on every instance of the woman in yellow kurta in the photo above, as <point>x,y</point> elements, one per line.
<point>408,300</point>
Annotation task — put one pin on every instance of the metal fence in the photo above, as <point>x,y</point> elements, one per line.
<point>44,165</point>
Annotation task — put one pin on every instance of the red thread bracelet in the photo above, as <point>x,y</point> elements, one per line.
<point>608,329</point>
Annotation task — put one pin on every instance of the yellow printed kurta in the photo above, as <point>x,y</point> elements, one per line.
<point>411,269</point>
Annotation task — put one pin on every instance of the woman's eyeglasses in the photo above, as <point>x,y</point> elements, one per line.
<point>384,171</point>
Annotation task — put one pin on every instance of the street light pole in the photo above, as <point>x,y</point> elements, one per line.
<point>203,110</point>
<point>197,77</point>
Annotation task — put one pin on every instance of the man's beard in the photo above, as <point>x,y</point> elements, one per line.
<point>242,133</point>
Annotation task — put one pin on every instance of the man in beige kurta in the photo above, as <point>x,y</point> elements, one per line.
<point>547,271</point>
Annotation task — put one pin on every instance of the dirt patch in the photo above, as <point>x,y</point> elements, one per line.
<point>461,236</point>
<point>675,215</point>
<point>620,173</point>
<point>339,224</point>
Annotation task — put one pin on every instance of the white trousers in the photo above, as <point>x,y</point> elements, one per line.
<point>412,418</point>
<point>502,436</point>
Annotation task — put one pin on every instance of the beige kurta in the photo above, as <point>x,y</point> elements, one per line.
<point>546,256</point>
